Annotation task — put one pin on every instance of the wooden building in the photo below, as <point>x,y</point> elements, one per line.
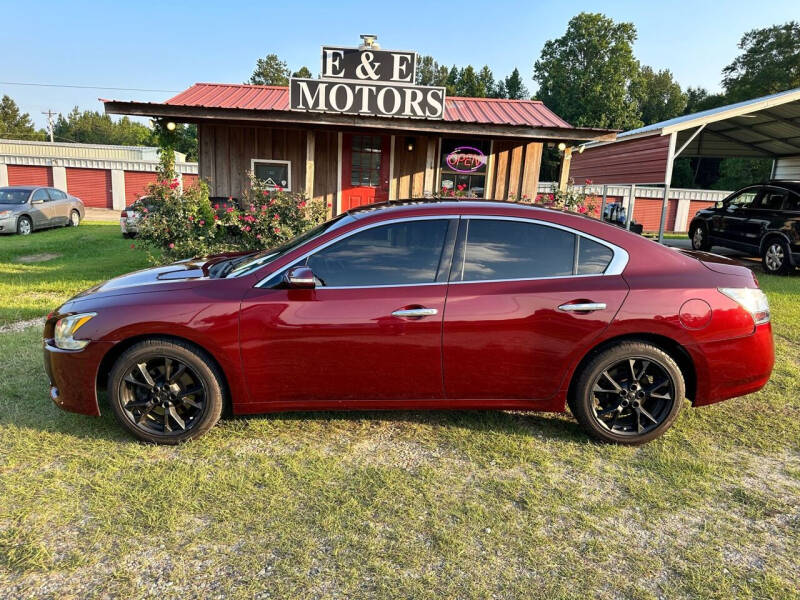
<point>366,144</point>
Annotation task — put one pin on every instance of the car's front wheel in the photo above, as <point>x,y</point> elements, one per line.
<point>630,393</point>
<point>165,391</point>
<point>699,237</point>
<point>24,226</point>
<point>775,257</point>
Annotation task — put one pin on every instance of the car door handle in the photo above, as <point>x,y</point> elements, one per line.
<point>415,312</point>
<point>583,307</point>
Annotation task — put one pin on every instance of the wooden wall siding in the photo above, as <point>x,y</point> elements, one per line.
<point>226,152</point>
<point>409,167</point>
<point>514,170</point>
<point>326,150</point>
<point>643,160</point>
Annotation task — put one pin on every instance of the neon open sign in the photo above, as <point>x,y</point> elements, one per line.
<point>466,159</point>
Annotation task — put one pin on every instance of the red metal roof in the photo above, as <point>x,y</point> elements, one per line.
<point>529,113</point>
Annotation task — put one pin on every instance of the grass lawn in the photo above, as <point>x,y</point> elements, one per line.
<point>38,272</point>
<point>389,505</point>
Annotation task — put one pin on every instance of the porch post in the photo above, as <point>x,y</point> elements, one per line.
<point>563,177</point>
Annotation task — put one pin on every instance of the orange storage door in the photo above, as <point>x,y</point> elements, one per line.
<point>136,183</point>
<point>93,186</point>
<point>29,175</point>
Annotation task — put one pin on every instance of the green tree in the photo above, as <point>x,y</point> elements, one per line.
<point>514,88</point>
<point>467,83</point>
<point>92,127</point>
<point>303,72</point>
<point>769,63</point>
<point>486,86</point>
<point>16,124</point>
<point>270,70</point>
<point>659,96</point>
<point>451,83</point>
<point>430,72</point>
<point>585,75</point>
<point>699,99</point>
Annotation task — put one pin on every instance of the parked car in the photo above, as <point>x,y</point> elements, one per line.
<point>131,215</point>
<point>761,220</point>
<point>26,208</point>
<point>418,305</point>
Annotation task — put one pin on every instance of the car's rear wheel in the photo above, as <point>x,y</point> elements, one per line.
<point>166,391</point>
<point>24,226</point>
<point>699,237</point>
<point>775,257</point>
<point>630,393</point>
<point>74,218</point>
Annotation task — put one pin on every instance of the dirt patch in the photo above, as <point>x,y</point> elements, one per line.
<point>36,258</point>
<point>22,325</point>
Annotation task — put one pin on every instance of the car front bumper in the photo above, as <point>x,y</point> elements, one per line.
<point>73,375</point>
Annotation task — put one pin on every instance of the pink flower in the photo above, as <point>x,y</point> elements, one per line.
<point>173,185</point>
<point>258,237</point>
<point>266,193</point>
<point>230,198</point>
<point>171,245</point>
<point>191,217</point>
<point>145,209</point>
<point>588,182</point>
<point>271,202</point>
<point>229,209</point>
<point>216,207</point>
<point>247,228</point>
<point>302,204</point>
<point>133,246</point>
<point>461,186</point>
<point>202,222</point>
<point>582,209</point>
<point>263,208</point>
<point>216,217</point>
<point>277,230</point>
<point>275,217</point>
<point>252,208</point>
<point>278,188</point>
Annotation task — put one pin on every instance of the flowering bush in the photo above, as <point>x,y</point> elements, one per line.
<point>182,223</point>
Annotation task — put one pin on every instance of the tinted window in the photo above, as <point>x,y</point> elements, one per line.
<point>40,195</point>
<point>773,199</point>
<point>395,254</point>
<point>496,249</point>
<point>57,194</point>
<point>793,203</point>
<point>593,258</point>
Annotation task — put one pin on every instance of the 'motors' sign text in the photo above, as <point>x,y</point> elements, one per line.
<point>367,82</point>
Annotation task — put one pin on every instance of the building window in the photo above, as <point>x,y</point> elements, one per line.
<point>463,167</point>
<point>276,173</point>
<point>366,161</point>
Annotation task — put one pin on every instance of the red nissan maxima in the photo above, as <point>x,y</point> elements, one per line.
<point>418,305</point>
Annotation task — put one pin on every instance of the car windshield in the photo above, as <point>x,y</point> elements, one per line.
<point>11,196</point>
<point>247,264</point>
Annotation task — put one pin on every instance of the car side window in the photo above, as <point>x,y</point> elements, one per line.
<point>56,194</point>
<point>772,200</point>
<point>793,202</point>
<point>41,194</point>
<point>593,257</point>
<point>404,253</point>
<point>744,199</point>
<point>501,249</point>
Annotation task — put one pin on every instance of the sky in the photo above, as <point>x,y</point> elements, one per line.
<point>170,45</point>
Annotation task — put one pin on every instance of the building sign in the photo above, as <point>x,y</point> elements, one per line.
<point>465,159</point>
<point>367,81</point>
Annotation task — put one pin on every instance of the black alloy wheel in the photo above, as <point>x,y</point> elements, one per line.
<point>165,391</point>
<point>628,394</point>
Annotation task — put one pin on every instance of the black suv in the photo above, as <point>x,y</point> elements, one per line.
<point>760,219</point>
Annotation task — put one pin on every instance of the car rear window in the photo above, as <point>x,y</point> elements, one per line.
<point>593,258</point>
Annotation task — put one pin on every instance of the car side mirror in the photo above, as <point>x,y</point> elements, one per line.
<point>37,201</point>
<point>300,278</point>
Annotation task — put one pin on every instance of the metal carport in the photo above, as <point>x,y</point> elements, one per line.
<point>767,127</point>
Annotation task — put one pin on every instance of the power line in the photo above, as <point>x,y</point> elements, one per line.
<point>86,87</point>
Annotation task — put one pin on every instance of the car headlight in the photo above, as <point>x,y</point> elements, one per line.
<point>753,300</point>
<point>4,214</point>
<point>66,328</point>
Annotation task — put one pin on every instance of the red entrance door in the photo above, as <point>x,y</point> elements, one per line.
<point>365,169</point>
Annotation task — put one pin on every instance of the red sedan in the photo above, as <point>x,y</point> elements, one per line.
<point>420,305</point>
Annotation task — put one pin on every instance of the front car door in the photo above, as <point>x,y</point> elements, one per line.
<point>40,208</point>
<point>524,296</point>
<point>729,223</point>
<point>766,214</point>
<point>369,333</point>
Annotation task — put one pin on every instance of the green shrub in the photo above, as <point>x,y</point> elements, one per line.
<point>183,223</point>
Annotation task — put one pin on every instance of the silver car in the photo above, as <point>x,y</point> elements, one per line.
<point>24,208</point>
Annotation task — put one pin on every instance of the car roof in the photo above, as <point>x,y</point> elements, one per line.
<point>24,188</point>
<point>441,205</point>
<point>786,183</point>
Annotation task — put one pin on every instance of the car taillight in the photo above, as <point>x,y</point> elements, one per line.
<point>753,300</point>
<point>123,214</point>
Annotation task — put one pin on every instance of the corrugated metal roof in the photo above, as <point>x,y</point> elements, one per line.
<point>81,151</point>
<point>528,113</point>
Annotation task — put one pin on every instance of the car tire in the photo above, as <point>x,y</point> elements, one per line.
<point>776,257</point>
<point>623,402</point>
<point>24,226</point>
<point>74,218</point>
<point>699,237</point>
<point>166,391</point>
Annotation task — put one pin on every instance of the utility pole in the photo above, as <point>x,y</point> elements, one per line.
<point>50,114</point>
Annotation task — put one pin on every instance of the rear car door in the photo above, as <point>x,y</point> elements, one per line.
<point>765,214</point>
<point>370,331</point>
<point>525,298</point>
<point>59,207</point>
<point>40,209</point>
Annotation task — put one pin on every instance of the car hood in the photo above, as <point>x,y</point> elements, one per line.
<point>11,206</point>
